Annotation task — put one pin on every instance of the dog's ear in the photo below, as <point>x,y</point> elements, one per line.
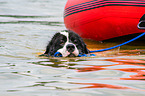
<point>82,43</point>
<point>85,50</point>
<point>49,48</point>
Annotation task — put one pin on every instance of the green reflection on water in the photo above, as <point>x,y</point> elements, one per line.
<point>34,22</point>
<point>25,16</point>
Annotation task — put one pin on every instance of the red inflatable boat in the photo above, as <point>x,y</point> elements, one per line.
<point>103,19</point>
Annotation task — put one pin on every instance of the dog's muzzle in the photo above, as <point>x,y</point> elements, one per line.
<point>70,48</point>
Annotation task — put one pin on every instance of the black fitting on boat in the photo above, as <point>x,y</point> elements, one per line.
<point>141,24</point>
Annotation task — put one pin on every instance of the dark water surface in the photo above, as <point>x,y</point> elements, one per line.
<point>25,28</point>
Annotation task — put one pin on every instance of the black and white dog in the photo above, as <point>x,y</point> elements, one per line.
<point>66,44</point>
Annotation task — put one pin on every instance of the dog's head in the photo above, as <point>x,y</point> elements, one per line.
<point>67,44</point>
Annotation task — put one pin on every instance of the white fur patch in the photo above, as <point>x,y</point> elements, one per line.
<point>65,34</point>
<point>63,50</point>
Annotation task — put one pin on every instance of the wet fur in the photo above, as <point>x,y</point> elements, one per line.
<point>55,44</point>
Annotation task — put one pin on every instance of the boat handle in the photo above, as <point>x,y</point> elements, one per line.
<point>141,25</point>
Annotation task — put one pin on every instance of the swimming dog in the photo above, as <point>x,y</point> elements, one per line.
<point>66,44</point>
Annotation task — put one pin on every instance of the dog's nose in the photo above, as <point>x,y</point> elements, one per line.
<point>70,48</point>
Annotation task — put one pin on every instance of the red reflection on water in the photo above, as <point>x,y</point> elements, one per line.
<point>128,61</point>
<point>93,68</point>
<point>140,74</point>
<point>98,85</point>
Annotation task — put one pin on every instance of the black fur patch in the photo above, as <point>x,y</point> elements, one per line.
<point>58,41</point>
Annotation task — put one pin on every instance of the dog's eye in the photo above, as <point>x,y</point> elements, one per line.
<point>62,42</point>
<point>75,41</point>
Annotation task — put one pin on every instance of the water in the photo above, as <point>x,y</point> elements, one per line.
<point>26,26</point>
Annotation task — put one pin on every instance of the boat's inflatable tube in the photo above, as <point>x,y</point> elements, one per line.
<point>103,19</point>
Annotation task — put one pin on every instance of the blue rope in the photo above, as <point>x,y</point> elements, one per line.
<point>119,44</point>
<point>57,54</point>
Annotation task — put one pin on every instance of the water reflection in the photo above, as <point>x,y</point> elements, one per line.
<point>53,85</point>
<point>98,85</point>
<point>26,16</point>
<point>135,67</point>
<point>119,64</point>
<point>28,19</point>
<point>67,63</point>
<point>124,63</point>
<point>34,22</point>
<point>140,72</point>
